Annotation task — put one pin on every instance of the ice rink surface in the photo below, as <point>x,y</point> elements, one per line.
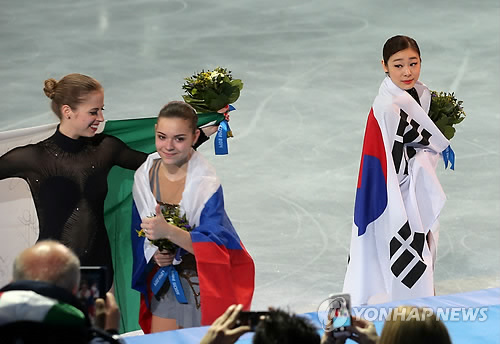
<point>311,70</point>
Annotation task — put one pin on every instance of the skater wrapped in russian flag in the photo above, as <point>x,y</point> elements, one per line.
<point>209,268</point>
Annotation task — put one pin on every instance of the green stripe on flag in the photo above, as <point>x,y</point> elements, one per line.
<point>65,314</point>
<point>138,134</point>
<point>207,117</point>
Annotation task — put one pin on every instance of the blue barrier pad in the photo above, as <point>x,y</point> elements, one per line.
<point>470,317</point>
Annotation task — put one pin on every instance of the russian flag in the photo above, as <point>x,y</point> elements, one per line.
<point>226,271</point>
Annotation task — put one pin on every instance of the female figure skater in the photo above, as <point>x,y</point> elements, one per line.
<point>67,173</point>
<point>216,270</point>
<point>399,197</point>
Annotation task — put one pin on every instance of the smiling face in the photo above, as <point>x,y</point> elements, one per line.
<point>85,118</point>
<point>403,68</point>
<point>174,140</point>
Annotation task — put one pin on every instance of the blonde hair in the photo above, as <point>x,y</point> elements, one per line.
<point>409,324</point>
<point>71,90</point>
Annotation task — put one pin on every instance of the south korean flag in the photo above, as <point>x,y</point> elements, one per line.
<point>406,252</point>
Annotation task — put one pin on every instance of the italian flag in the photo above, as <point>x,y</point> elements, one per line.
<point>26,305</point>
<point>19,222</point>
<point>138,134</point>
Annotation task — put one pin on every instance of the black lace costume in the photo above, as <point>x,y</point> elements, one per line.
<point>68,183</point>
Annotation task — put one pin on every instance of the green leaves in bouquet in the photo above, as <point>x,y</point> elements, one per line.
<point>446,111</point>
<point>210,91</point>
<point>172,215</point>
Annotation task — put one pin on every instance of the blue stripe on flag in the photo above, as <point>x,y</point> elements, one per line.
<point>217,227</point>
<point>371,196</point>
<point>139,262</point>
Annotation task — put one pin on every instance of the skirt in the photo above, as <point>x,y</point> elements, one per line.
<point>167,306</point>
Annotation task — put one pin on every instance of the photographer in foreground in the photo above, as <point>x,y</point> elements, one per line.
<point>404,324</point>
<point>275,326</point>
<point>40,305</point>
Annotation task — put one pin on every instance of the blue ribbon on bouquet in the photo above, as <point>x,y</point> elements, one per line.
<point>178,255</point>
<point>171,273</point>
<point>220,143</point>
<point>449,157</point>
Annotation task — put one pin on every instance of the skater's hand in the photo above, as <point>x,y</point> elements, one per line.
<point>163,258</point>
<point>156,227</point>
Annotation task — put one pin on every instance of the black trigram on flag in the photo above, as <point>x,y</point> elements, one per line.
<point>409,253</point>
<point>407,132</point>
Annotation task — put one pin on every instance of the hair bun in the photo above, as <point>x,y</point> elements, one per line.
<point>50,86</point>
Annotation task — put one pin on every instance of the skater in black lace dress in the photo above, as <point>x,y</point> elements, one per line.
<point>67,173</point>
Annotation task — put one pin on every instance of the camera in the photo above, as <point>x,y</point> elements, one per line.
<point>92,286</point>
<point>252,319</point>
<point>339,314</point>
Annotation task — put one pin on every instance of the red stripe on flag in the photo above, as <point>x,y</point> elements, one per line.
<point>145,315</point>
<point>373,145</point>
<point>226,277</point>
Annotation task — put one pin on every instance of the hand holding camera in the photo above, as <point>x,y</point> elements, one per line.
<point>223,330</point>
<point>107,313</point>
<point>342,325</point>
<point>250,319</point>
<point>361,331</point>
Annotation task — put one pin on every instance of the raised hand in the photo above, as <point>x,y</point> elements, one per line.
<point>222,331</point>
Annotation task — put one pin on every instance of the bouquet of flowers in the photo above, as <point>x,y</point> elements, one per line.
<point>211,90</point>
<point>446,111</point>
<point>210,93</point>
<point>171,213</point>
